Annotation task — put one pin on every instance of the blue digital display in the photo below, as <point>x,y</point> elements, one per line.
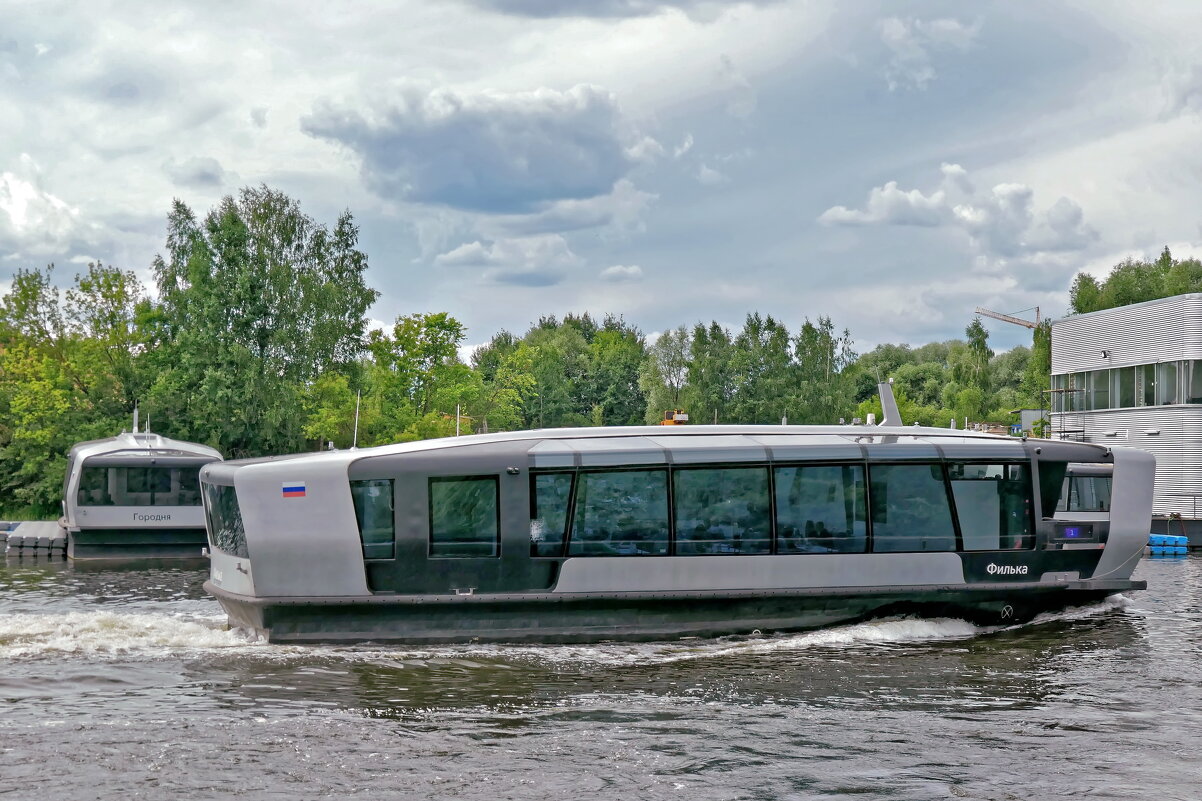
<point>1072,532</point>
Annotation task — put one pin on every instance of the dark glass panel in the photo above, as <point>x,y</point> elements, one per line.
<point>463,517</point>
<point>374,514</point>
<point>821,508</point>
<point>722,510</point>
<point>621,513</point>
<point>910,509</point>
<point>993,503</point>
<point>549,501</point>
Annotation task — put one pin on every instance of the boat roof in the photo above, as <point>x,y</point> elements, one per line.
<point>139,444</point>
<point>705,442</point>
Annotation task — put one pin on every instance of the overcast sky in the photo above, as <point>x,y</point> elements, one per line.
<point>891,165</point>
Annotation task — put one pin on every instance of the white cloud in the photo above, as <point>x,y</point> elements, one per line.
<point>708,176</point>
<point>483,151</point>
<point>700,9</point>
<point>910,43</point>
<point>621,274</point>
<point>1001,223</point>
<point>525,261</point>
<point>684,147</point>
<point>34,222</point>
<point>741,96</point>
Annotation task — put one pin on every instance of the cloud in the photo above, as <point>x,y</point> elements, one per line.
<point>532,261</point>
<point>741,97</point>
<point>623,208</point>
<point>619,274</point>
<point>258,116</point>
<point>910,43</point>
<point>684,147</point>
<point>486,151</point>
<point>1183,89</point>
<point>705,9</point>
<point>197,171</point>
<point>34,222</point>
<point>1000,223</point>
<point>708,176</point>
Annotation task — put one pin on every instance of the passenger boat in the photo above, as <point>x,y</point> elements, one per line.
<point>643,533</point>
<point>135,495</point>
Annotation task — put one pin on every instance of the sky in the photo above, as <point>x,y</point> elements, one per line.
<point>889,165</point>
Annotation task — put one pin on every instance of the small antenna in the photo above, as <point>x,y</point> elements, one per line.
<point>135,417</point>
<point>355,440</point>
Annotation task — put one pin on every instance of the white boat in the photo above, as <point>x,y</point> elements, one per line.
<point>135,495</point>
<point>661,532</point>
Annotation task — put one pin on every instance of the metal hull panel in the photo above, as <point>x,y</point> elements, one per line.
<point>594,617</point>
<point>144,543</point>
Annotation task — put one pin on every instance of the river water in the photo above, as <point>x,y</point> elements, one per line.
<point>124,683</point>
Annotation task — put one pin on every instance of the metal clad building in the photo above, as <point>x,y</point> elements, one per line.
<point>1132,375</point>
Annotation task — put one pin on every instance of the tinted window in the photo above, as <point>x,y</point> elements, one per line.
<point>1124,386</point>
<point>463,517</point>
<point>1147,384</point>
<point>1101,389</point>
<point>621,513</point>
<point>820,509</point>
<point>722,510</point>
<point>549,499</point>
<point>1166,383</point>
<point>910,509</point>
<point>993,502</point>
<point>226,532</point>
<point>1085,494</point>
<point>373,513</point>
<point>139,486</point>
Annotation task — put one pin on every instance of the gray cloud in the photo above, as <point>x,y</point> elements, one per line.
<point>198,171</point>
<point>523,261</point>
<point>492,152</point>
<point>611,8</point>
<point>619,274</point>
<point>623,208</point>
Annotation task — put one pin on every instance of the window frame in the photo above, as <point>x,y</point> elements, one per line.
<point>496,483</point>
<point>664,467</point>
<point>573,474</point>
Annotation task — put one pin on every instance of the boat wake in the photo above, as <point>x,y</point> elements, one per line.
<point>148,635</point>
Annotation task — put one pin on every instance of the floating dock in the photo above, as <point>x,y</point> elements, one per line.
<point>33,538</point>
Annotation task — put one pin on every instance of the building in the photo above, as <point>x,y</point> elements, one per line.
<point>1132,376</point>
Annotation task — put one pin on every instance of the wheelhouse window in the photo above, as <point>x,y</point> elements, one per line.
<point>910,508</point>
<point>1085,494</point>
<point>723,510</point>
<point>374,515</point>
<point>621,512</point>
<point>226,531</point>
<point>550,499</point>
<point>993,503</point>
<point>463,517</point>
<point>139,486</point>
<point>821,509</point>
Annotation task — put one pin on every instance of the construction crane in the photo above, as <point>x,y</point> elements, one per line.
<point>1007,318</point>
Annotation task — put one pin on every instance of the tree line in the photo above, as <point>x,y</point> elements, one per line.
<point>256,341</point>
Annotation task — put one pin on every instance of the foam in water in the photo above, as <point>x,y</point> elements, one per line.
<point>100,634</point>
<point>150,636</point>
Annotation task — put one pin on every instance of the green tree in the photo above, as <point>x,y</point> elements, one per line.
<point>255,302</point>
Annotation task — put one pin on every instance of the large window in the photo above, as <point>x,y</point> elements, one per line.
<point>1100,387</point>
<point>1085,494</point>
<point>373,513</point>
<point>139,486</point>
<point>1166,383</point>
<point>226,532</point>
<point>910,509</point>
<point>1124,386</point>
<point>463,517</point>
<point>993,502</point>
<point>821,509</point>
<point>549,501</point>
<point>621,513</point>
<point>722,510</point>
<point>1195,382</point>
<point>1146,375</point>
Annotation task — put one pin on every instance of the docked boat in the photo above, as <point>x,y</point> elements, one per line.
<point>135,495</point>
<point>643,533</point>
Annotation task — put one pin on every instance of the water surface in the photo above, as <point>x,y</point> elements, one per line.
<point>124,682</point>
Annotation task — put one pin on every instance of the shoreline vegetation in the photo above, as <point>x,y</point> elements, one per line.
<point>256,342</point>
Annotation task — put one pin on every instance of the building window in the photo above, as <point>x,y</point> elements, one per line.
<point>821,509</point>
<point>1100,384</point>
<point>910,508</point>
<point>463,517</point>
<point>1193,392</point>
<point>1146,378</point>
<point>550,497</point>
<point>1166,383</point>
<point>621,512</point>
<point>724,510</point>
<point>993,503</point>
<point>1124,387</point>
<point>374,515</point>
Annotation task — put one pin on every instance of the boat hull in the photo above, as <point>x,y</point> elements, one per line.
<point>596,617</point>
<point>137,543</point>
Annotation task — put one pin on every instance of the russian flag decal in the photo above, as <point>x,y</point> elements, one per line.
<point>294,489</point>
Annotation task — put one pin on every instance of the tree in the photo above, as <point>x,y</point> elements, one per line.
<point>255,303</point>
